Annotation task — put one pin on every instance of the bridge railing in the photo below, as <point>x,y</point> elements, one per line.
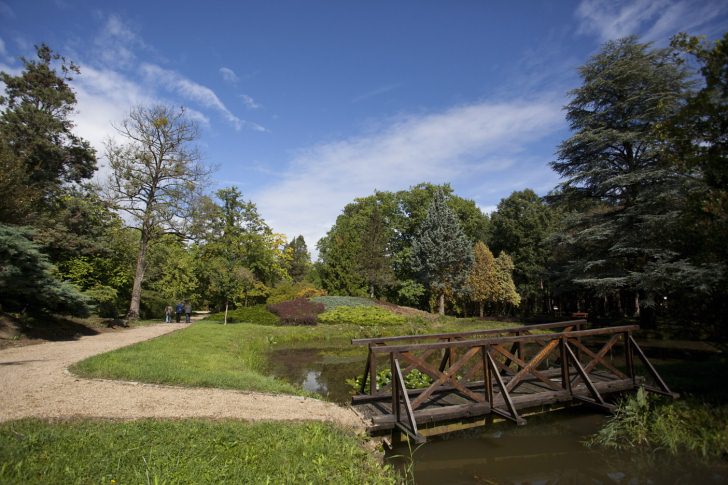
<point>491,368</point>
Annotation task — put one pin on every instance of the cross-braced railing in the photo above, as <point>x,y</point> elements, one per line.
<point>501,371</point>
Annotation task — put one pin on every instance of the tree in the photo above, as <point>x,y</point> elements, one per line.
<point>373,258</point>
<point>156,175</point>
<point>482,279</point>
<point>523,225</point>
<point>441,252</point>
<point>614,171</point>
<point>38,150</point>
<point>506,289</point>
<point>28,280</point>
<point>299,263</point>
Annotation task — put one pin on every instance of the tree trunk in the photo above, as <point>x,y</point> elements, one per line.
<point>480,306</point>
<point>371,291</point>
<point>136,290</point>
<point>226,309</point>
<point>637,304</point>
<point>441,303</point>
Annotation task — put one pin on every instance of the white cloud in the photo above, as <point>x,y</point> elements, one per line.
<point>375,92</point>
<point>250,102</point>
<point>115,43</point>
<point>477,140</point>
<point>655,20</point>
<point>3,52</point>
<point>193,91</point>
<point>228,75</point>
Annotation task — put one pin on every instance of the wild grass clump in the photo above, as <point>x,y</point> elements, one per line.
<point>257,314</point>
<point>361,315</point>
<point>183,451</point>
<point>645,421</point>
<point>300,311</point>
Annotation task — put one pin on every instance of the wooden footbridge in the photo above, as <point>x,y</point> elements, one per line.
<point>503,372</point>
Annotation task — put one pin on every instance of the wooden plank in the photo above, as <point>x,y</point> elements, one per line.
<point>399,338</point>
<point>505,340</point>
<point>521,363</point>
<point>599,358</point>
<point>504,393</point>
<point>653,372</point>
<point>408,406</point>
<point>442,377</point>
<point>584,376</point>
<point>579,346</point>
<point>535,361</point>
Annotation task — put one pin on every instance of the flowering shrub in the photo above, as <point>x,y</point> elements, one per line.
<point>297,312</point>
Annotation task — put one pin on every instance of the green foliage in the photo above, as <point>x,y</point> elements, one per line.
<point>289,291</point>
<point>523,225</point>
<point>483,278</point>
<point>413,380</point>
<point>257,314</point>
<point>104,299</point>
<point>361,315</point>
<point>331,302</point>
<point>615,173</point>
<point>149,451</point>
<point>646,422</point>
<point>298,259</point>
<point>441,252</point>
<point>410,293</point>
<point>39,152</point>
<point>507,293</point>
<point>28,280</point>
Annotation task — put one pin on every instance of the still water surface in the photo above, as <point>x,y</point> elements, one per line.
<point>548,450</point>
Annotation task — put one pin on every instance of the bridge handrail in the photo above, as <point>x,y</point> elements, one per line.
<point>514,330</point>
<point>388,349</point>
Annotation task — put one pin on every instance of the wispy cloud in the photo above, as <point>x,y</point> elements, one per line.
<point>654,20</point>
<point>249,102</point>
<point>228,75</point>
<point>195,92</point>
<point>6,10</point>
<point>476,140</point>
<point>375,92</point>
<point>116,42</point>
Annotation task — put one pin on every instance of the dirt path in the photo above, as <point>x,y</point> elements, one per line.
<point>34,382</point>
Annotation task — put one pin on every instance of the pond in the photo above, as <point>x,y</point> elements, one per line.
<point>548,450</point>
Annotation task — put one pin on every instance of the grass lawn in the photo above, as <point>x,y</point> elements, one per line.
<point>177,452</point>
<point>209,354</point>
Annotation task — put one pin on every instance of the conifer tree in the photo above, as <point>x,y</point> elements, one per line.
<point>506,289</point>
<point>441,252</point>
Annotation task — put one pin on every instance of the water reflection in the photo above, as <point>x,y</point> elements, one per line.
<point>548,450</point>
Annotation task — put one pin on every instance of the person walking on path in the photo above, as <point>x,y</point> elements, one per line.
<point>168,311</point>
<point>178,311</point>
<point>188,311</point>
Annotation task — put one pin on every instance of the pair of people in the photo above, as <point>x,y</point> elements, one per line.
<point>185,307</point>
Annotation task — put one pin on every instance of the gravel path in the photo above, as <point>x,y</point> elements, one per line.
<point>34,382</point>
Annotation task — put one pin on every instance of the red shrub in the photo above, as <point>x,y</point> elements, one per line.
<point>297,312</point>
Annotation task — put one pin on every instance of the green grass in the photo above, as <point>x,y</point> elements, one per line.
<point>235,356</point>
<point>257,314</point>
<point>180,452</point>
<point>331,302</point>
<point>645,422</point>
<point>361,315</point>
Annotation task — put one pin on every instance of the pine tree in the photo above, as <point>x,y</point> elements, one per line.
<point>615,175</point>
<point>506,289</point>
<point>373,259</point>
<point>299,264</point>
<point>441,252</point>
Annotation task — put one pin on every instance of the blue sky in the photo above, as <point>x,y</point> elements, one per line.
<point>305,105</point>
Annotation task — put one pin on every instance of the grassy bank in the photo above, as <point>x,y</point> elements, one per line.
<point>178,452</point>
<point>234,356</point>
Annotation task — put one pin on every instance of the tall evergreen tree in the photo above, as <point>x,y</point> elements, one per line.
<point>614,171</point>
<point>374,258</point>
<point>441,252</point>
<point>299,264</point>
<point>39,152</point>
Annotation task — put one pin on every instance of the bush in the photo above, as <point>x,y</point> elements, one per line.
<point>646,422</point>
<point>331,302</point>
<point>361,315</point>
<point>257,314</point>
<point>297,312</point>
<point>291,291</point>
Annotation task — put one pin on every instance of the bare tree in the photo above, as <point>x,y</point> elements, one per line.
<point>156,177</point>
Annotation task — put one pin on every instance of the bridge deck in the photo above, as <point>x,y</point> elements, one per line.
<point>502,372</point>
